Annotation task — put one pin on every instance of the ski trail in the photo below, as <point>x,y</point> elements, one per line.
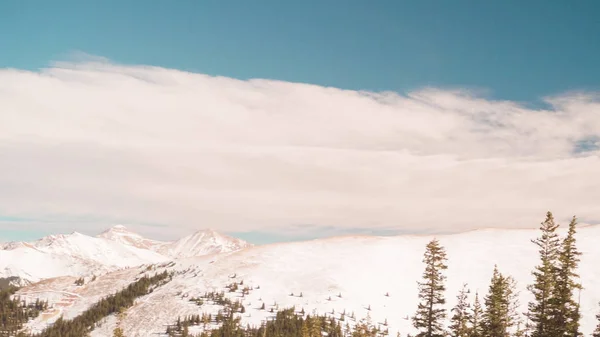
<point>51,291</point>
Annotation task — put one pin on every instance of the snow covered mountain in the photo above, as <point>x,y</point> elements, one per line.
<point>77,254</point>
<point>121,234</point>
<point>70,254</point>
<point>203,242</point>
<point>373,276</point>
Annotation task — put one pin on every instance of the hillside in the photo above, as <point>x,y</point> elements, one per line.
<point>360,269</point>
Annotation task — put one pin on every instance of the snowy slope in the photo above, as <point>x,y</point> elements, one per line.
<point>73,254</point>
<point>361,269</point>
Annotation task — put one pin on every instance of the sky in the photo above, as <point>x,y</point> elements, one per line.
<point>279,121</point>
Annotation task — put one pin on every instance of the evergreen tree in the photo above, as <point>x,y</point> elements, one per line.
<point>566,317</point>
<point>118,332</point>
<point>365,328</point>
<point>305,332</point>
<point>430,313</point>
<point>543,307</point>
<point>476,318</point>
<point>500,306</point>
<point>315,327</point>
<point>459,326</point>
<point>597,331</point>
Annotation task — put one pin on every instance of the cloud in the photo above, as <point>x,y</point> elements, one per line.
<point>95,140</point>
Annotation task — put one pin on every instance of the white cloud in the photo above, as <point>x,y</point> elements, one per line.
<point>154,145</point>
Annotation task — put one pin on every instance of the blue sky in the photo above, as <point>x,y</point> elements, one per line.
<point>89,137</point>
<point>517,50</point>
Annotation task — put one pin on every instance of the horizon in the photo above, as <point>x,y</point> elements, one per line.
<point>288,122</point>
<point>259,240</point>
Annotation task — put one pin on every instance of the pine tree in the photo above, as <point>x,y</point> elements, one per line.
<point>118,332</point>
<point>476,318</point>
<point>597,331</point>
<point>543,306</point>
<point>459,322</point>
<point>430,313</point>
<point>365,328</point>
<point>500,306</point>
<point>304,332</point>
<point>315,327</point>
<point>566,317</point>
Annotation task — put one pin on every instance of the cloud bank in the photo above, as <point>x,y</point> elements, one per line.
<point>90,143</point>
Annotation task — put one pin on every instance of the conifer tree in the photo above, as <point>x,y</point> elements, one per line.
<point>430,312</point>
<point>118,332</point>
<point>459,326</point>
<point>304,331</point>
<point>476,318</point>
<point>365,328</point>
<point>315,327</point>
<point>566,317</point>
<point>542,308</point>
<point>597,331</point>
<point>500,306</point>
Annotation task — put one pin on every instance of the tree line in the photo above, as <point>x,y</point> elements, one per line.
<point>286,323</point>
<point>553,312</point>
<point>83,324</point>
<point>15,312</point>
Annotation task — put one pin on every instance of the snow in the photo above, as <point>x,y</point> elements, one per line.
<point>121,234</point>
<point>362,269</point>
<point>204,242</point>
<point>77,254</point>
<point>73,254</point>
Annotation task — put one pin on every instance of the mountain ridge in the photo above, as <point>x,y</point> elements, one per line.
<point>77,254</point>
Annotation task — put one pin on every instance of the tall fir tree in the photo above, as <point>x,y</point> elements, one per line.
<point>430,315</point>
<point>459,326</point>
<point>567,315</point>
<point>500,306</point>
<point>304,331</point>
<point>543,308</point>
<point>597,331</point>
<point>476,318</point>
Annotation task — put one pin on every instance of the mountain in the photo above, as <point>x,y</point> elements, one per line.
<point>203,242</point>
<point>121,234</point>
<point>77,254</point>
<point>70,254</point>
<point>361,269</point>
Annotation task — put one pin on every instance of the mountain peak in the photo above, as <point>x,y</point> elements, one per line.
<point>206,233</point>
<point>203,242</point>
<point>122,234</point>
<point>117,229</point>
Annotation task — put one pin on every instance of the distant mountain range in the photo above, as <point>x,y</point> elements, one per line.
<point>77,254</point>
